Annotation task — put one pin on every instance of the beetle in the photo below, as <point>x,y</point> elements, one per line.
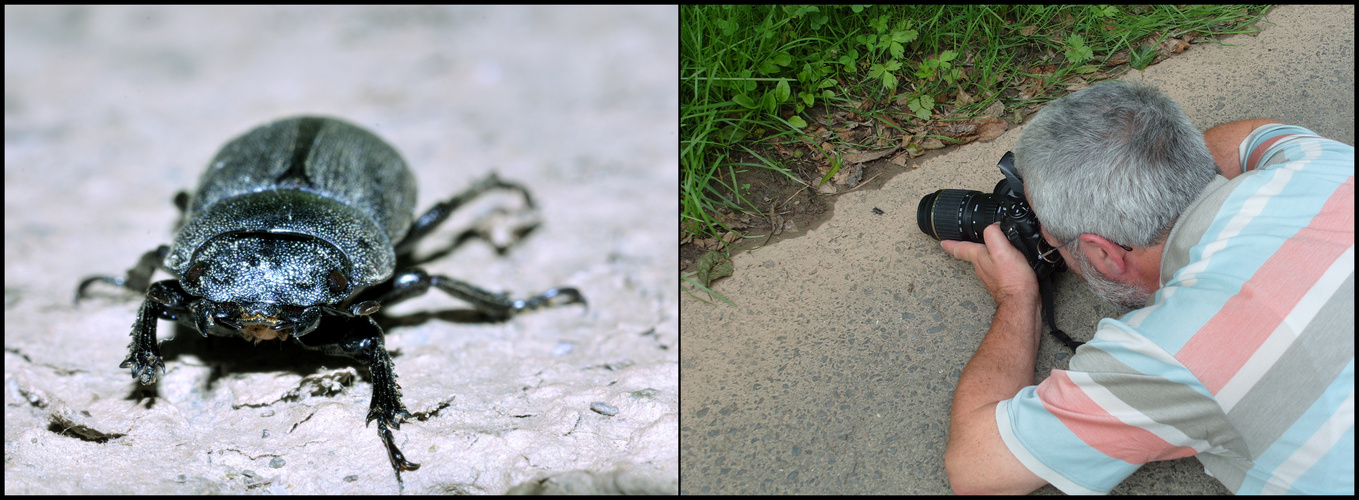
<point>296,231</point>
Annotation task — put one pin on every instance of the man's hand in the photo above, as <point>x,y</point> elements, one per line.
<point>1001,266</point>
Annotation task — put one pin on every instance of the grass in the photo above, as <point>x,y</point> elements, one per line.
<point>751,74</point>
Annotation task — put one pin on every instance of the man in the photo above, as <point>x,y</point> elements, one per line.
<point>1237,244</point>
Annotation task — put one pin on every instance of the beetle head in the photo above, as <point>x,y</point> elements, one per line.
<point>266,285</point>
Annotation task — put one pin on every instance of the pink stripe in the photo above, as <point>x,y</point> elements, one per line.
<point>1100,429</point>
<point>1259,151</point>
<point>1217,352</point>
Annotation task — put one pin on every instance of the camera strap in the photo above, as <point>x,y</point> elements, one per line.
<point>1050,314</point>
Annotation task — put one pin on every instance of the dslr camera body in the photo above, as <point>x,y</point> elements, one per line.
<point>960,214</point>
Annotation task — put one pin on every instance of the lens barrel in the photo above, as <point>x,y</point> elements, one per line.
<point>957,214</point>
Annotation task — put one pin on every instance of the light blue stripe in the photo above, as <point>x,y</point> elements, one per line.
<point>1333,480</point>
<point>1303,429</point>
<point>1061,450</point>
<point>1179,317</point>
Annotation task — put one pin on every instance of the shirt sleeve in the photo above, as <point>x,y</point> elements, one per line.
<point>1264,144</point>
<point>1124,402</point>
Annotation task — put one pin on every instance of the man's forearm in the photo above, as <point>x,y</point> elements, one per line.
<point>1004,362</point>
<point>976,460</point>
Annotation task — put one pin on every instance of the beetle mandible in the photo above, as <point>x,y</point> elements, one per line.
<point>296,231</point>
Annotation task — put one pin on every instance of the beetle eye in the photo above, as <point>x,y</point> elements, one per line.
<point>195,272</point>
<point>337,282</point>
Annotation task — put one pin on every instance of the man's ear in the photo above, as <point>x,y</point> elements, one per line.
<point>1107,257</point>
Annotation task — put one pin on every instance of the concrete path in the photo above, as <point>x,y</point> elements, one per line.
<point>835,372</point>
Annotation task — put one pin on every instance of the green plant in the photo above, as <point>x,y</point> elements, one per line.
<point>941,66</point>
<point>1076,51</point>
<point>1141,56</point>
<point>921,106</point>
<point>885,48</point>
<point>749,73</point>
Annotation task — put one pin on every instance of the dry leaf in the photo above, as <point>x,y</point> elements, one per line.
<point>888,121</point>
<point>1120,57</point>
<point>712,266</point>
<point>958,130</point>
<point>849,175</point>
<point>1077,83</point>
<point>862,157</point>
<point>900,160</point>
<point>995,109</point>
<point>990,127</point>
<point>963,98</point>
<point>1177,45</point>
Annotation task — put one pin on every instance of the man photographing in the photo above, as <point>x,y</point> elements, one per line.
<point>1237,247</point>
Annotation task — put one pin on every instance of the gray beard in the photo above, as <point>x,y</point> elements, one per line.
<point>1110,291</point>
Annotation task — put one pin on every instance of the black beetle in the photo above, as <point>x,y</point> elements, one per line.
<point>296,230</point>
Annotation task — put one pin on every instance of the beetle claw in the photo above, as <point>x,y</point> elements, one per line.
<point>394,454</point>
<point>391,417</point>
<point>145,369</point>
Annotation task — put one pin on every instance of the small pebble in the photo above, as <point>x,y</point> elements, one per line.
<point>562,349</point>
<point>603,408</point>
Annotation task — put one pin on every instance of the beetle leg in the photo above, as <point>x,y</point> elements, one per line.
<point>439,213</point>
<point>164,300</point>
<point>362,340</point>
<point>138,278</point>
<point>415,282</point>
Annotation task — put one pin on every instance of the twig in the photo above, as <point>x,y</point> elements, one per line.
<point>790,198</point>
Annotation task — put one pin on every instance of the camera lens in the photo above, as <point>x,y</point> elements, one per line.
<point>957,214</point>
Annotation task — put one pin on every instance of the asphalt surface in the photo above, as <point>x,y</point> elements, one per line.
<point>834,373</point>
<point>109,111</point>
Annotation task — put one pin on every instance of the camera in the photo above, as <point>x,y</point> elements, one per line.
<point>960,214</point>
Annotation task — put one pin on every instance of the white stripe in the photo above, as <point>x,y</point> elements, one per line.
<point>1311,451</point>
<point>1283,336</point>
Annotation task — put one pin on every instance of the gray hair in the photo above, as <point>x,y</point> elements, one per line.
<point>1119,160</point>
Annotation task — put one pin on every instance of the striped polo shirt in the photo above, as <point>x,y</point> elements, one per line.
<point>1243,359</point>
